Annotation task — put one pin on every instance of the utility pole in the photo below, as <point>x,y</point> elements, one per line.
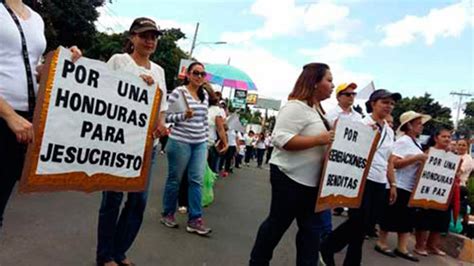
<point>194,40</point>
<point>461,96</point>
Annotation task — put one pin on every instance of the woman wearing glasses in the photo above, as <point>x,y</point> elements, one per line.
<point>186,149</point>
<point>117,233</point>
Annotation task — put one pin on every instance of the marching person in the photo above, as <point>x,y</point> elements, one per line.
<point>260,146</point>
<point>352,232</point>
<point>467,165</point>
<point>301,135</point>
<point>186,150</point>
<point>249,146</point>
<point>217,133</point>
<point>345,95</point>
<point>23,44</point>
<point>117,229</point>
<point>408,157</point>
<point>430,223</point>
<point>269,145</point>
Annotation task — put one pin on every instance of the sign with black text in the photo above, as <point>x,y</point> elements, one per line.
<point>435,182</point>
<point>93,128</point>
<point>347,165</point>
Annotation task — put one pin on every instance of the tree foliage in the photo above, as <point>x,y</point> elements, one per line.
<point>68,22</point>
<point>466,125</point>
<point>441,116</point>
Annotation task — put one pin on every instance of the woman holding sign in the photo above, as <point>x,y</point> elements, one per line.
<point>430,223</point>
<point>301,136</point>
<point>187,148</point>
<point>23,44</point>
<point>352,232</point>
<point>408,157</point>
<point>117,233</point>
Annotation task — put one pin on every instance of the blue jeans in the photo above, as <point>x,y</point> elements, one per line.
<point>290,201</point>
<point>182,156</point>
<point>116,234</point>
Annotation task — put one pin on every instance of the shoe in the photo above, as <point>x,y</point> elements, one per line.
<point>385,251</point>
<point>423,253</point>
<point>126,264</point>
<point>169,221</point>
<point>436,251</point>
<point>162,152</point>
<point>182,209</point>
<point>108,263</point>
<point>224,174</point>
<point>407,256</point>
<point>372,234</point>
<point>197,226</point>
<point>327,256</point>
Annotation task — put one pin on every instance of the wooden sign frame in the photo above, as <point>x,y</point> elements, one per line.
<point>76,181</point>
<point>331,201</point>
<point>430,204</point>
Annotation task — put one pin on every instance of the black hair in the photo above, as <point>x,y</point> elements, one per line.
<point>128,45</point>
<point>200,91</point>
<point>431,141</point>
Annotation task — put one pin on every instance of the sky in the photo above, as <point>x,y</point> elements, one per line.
<point>405,46</point>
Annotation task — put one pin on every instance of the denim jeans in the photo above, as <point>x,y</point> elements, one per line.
<point>116,234</point>
<point>182,156</point>
<point>290,201</point>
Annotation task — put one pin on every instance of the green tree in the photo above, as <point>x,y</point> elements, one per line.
<point>466,125</point>
<point>441,116</point>
<point>68,22</point>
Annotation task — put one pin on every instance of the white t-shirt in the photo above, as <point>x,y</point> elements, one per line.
<point>303,166</point>
<point>214,111</point>
<point>242,150</point>
<point>125,62</point>
<point>231,137</point>
<point>378,169</point>
<point>249,141</point>
<point>13,83</point>
<point>268,142</point>
<point>406,176</point>
<point>466,167</point>
<point>337,112</point>
<point>261,144</point>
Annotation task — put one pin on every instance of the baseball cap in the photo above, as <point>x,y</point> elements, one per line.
<point>381,94</point>
<point>345,86</point>
<point>143,24</point>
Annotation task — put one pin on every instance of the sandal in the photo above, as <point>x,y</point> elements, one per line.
<point>436,251</point>
<point>423,253</point>
<point>407,256</point>
<point>384,251</point>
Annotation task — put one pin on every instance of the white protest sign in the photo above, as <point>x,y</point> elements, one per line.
<point>92,128</point>
<point>347,164</point>
<point>436,180</point>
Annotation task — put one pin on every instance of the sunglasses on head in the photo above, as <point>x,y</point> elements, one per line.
<point>199,74</point>
<point>348,94</point>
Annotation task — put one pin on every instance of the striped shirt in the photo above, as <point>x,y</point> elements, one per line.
<point>192,130</point>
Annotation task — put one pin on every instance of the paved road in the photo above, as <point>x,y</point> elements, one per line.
<point>60,229</point>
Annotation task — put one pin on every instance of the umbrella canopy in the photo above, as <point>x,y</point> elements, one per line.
<point>229,76</point>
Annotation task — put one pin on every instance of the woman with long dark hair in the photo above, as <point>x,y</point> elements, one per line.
<point>186,149</point>
<point>117,228</point>
<point>301,135</point>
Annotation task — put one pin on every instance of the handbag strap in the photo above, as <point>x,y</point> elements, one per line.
<point>26,61</point>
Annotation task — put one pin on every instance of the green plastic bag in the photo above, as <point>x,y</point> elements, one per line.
<point>208,187</point>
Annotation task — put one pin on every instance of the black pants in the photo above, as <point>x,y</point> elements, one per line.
<point>290,200</point>
<point>12,157</point>
<point>163,141</point>
<point>269,154</point>
<point>229,156</point>
<point>238,160</point>
<point>352,232</point>
<point>260,153</point>
<point>248,153</point>
<point>183,190</point>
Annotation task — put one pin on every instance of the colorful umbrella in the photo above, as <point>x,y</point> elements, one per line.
<point>229,76</point>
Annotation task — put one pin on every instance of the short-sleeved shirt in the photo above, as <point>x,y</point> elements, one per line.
<point>406,177</point>
<point>231,137</point>
<point>302,166</point>
<point>214,112</point>
<point>337,113</point>
<point>125,62</point>
<point>378,169</point>
<point>466,167</point>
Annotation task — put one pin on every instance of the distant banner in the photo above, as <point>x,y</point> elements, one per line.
<point>347,165</point>
<point>240,99</point>
<point>93,128</point>
<point>264,103</point>
<point>435,182</point>
<point>252,98</point>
